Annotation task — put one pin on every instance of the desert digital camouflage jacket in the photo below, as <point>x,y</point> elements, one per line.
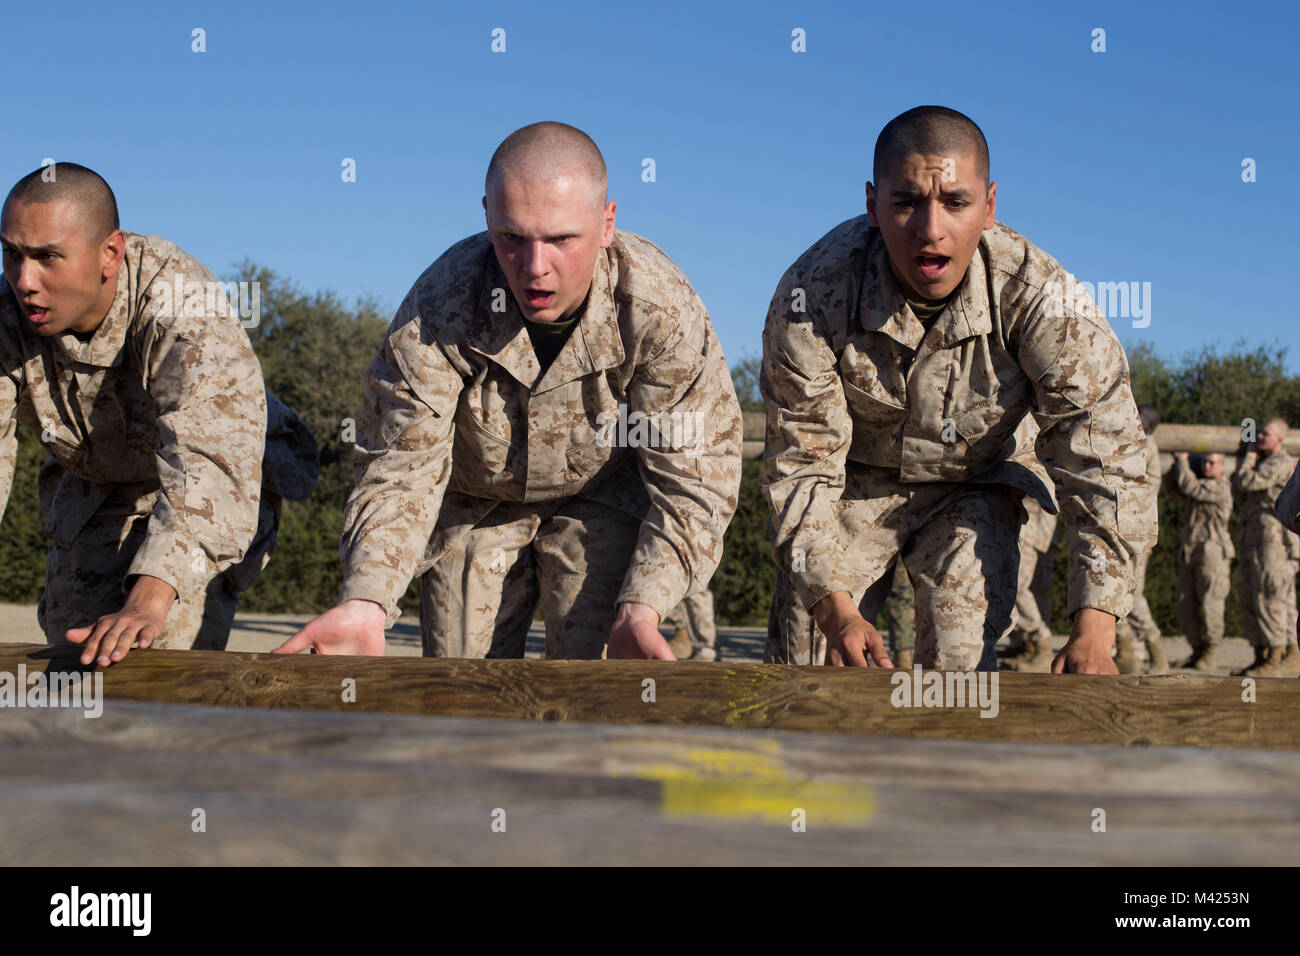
<point>1260,482</point>
<point>165,398</point>
<point>1288,502</point>
<point>851,378</point>
<point>458,416</point>
<point>1209,509</point>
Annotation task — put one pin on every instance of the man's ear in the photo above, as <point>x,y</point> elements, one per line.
<point>607,236</point>
<point>112,252</point>
<point>991,216</point>
<point>872,217</point>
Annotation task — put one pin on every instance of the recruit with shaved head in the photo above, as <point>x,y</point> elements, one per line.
<point>167,458</point>
<point>550,421</point>
<point>901,357</point>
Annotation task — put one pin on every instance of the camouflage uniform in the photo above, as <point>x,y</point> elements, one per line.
<point>156,428</point>
<point>1140,624</point>
<point>1268,552</point>
<point>1288,502</point>
<point>886,438</point>
<point>1029,628</point>
<point>1206,555</point>
<point>898,615</point>
<point>695,616</point>
<point>507,485</point>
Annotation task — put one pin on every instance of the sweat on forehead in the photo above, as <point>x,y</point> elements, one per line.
<point>929,131</point>
<point>546,151</point>
<point>70,182</point>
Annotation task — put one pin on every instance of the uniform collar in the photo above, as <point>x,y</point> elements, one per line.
<point>501,335</point>
<point>594,344</point>
<point>882,305</point>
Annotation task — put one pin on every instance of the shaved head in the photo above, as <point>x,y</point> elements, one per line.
<point>929,131</point>
<point>1209,465</point>
<point>1278,426</point>
<point>545,152</point>
<point>85,189</point>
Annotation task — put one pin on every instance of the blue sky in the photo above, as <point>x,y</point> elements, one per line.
<point>1125,165</point>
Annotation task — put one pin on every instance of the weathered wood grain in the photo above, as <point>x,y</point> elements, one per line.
<point>1164,711</point>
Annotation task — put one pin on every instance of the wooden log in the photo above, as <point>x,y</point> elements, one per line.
<point>1207,438</point>
<point>285,788</point>
<point>635,749</point>
<point>1169,437</point>
<point>1132,710</point>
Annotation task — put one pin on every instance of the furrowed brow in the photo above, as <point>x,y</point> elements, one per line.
<point>29,250</point>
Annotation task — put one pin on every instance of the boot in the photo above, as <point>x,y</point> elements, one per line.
<point>1158,663</point>
<point>1261,655</point>
<point>903,659</point>
<point>1203,659</point>
<point>1037,661</point>
<point>1291,662</point>
<point>1017,653</point>
<point>1272,665</point>
<point>681,645</point>
<point>705,653</point>
<point>1016,647</point>
<point>1126,661</point>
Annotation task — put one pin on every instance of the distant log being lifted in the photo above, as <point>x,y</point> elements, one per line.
<point>1171,438</point>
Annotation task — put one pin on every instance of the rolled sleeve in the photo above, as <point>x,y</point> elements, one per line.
<point>1093,446</point>
<point>206,386</point>
<point>401,467</point>
<point>693,478</point>
<point>808,435</point>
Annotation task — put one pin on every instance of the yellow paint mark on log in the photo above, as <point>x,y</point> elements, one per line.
<point>740,785</point>
<point>824,803</point>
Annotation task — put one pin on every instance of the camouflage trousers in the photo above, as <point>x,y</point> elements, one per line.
<point>1267,593</point>
<point>1033,597</point>
<point>1203,584</point>
<point>478,599</point>
<point>1139,624</point>
<point>86,578</point>
<point>898,615</point>
<point>958,543</point>
<point>695,615</point>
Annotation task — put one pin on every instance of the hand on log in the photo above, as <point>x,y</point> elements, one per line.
<point>850,638</point>
<point>141,619</point>
<point>635,635</point>
<point>1089,647</point>
<point>354,627</point>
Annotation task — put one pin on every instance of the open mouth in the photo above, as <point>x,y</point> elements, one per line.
<point>539,298</point>
<point>39,316</point>
<point>932,267</point>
